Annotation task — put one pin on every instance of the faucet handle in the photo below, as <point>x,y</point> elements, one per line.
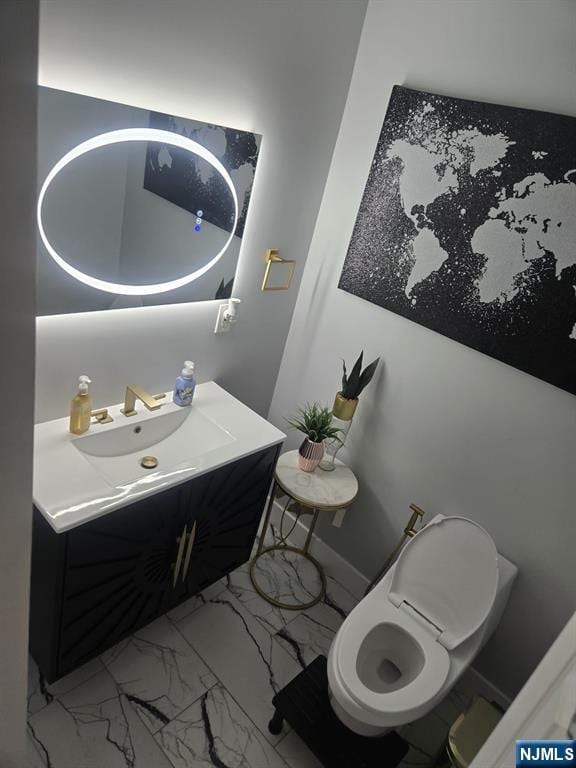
<point>101,416</point>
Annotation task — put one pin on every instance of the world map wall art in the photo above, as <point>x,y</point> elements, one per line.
<point>468,227</point>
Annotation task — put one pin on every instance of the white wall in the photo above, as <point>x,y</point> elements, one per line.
<point>443,426</point>
<point>19,44</point>
<point>280,69</point>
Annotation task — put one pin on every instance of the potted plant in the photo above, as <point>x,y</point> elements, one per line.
<point>314,421</point>
<point>346,400</point>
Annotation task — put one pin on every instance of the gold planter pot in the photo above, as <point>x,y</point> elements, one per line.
<point>344,409</point>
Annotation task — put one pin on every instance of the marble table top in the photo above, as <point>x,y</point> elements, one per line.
<point>318,489</point>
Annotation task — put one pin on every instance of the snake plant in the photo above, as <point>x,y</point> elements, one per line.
<point>353,385</point>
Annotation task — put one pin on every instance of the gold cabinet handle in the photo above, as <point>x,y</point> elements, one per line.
<point>181,541</point>
<point>191,537</point>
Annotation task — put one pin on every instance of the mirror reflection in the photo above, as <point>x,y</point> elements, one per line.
<point>133,215</point>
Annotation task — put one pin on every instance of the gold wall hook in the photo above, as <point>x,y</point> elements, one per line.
<point>273,258</point>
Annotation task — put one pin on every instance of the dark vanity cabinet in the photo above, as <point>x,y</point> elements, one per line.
<point>99,582</point>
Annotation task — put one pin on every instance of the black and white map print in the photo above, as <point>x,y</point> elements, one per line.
<point>468,227</point>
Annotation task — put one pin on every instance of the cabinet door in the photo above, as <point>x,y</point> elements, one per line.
<point>119,575</point>
<point>223,514</point>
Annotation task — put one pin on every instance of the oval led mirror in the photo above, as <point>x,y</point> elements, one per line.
<point>146,214</point>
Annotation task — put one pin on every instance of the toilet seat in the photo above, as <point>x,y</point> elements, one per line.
<point>424,686</point>
<point>442,590</point>
<point>448,573</point>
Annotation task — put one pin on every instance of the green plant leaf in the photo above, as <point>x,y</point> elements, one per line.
<point>344,375</point>
<point>367,375</point>
<point>353,380</point>
<point>315,421</point>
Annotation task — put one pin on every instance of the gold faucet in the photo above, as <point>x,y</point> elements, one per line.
<point>133,393</point>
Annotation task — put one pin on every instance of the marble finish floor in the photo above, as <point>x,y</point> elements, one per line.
<point>194,688</point>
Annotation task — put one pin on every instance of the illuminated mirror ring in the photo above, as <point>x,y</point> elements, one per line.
<point>116,137</point>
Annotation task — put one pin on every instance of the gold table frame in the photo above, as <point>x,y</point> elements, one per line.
<point>283,547</point>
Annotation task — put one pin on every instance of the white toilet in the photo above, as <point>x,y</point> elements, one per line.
<point>406,643</point>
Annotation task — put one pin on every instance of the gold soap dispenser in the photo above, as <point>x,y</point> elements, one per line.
<point>81,408</point>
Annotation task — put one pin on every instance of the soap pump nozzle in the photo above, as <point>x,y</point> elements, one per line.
<point>188,370</point>
<point>83,382</point>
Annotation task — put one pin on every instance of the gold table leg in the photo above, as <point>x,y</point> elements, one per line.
<point>266,521</point>
<point>310,531</point>
<point>303,551</point>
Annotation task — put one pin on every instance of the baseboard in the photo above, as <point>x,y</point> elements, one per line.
<point>488,690</point>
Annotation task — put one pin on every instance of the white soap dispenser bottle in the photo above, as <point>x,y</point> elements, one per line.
<point>185,385</point>
<point>81,408</point>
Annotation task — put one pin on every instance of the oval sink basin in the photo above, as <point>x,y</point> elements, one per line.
<point>132,438</point>
<point>117,452</point>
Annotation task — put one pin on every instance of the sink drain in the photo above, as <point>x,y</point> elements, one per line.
<point>149,462</point>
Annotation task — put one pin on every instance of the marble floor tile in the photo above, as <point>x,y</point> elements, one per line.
<point>339,571</point>
<point>190,605</point>
<point>334,565</point>
<point>249,662</point>
<point>310,632</point>
<point>290,578</point>
<point>295,753</point>
<point>159,672</point>
<point>41,693</point>
<point>36,756</point>
<point>215,731</point>
<point>92,726</point>
<point>286,576</point>
<point>241,587</point>
<point>309,635</point>
<point>305,634</point>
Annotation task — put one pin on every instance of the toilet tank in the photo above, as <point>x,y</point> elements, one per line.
<point>507,572</point>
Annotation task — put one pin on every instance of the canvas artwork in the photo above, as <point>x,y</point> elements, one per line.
<point>468,227</point>
<point>190,182</point>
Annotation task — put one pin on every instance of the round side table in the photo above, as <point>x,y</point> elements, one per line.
<point>316,492</point>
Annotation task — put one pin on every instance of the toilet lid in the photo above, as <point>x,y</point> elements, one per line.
<point>449,574</point>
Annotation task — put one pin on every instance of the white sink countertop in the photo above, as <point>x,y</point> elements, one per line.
<point>78,478</point>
